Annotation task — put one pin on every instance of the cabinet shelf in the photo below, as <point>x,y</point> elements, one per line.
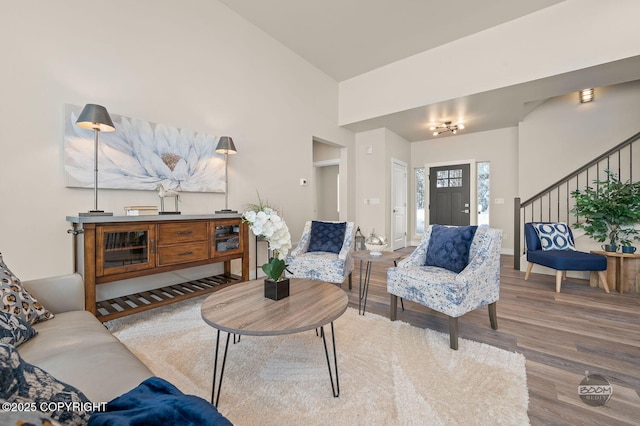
<point>126,248</point>
<point>132,303</point>
<point>226,237</point>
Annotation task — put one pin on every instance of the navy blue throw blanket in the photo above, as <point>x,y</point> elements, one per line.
<point>157,402</point>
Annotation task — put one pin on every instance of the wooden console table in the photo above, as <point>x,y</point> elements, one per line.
<point>623,270</point>
<point>113,248</point>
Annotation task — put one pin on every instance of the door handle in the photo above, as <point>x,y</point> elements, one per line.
<point>464,211</point>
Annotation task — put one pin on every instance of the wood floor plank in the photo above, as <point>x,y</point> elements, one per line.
<point>562,335</point>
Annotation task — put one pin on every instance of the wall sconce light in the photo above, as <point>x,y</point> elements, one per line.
<point>226,146</point>
<point>586,95</point>
<point>96,118</point>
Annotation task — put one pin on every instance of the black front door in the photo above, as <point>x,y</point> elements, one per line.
<point>449,195</point>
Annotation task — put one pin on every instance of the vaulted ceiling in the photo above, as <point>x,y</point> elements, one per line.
<point>346,38</point>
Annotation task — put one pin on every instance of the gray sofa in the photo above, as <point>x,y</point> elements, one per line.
<point>75,347</point>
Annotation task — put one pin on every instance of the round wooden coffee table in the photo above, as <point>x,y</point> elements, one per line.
<point>242,309</point>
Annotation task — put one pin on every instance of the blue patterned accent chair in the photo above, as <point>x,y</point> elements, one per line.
<point>550,244</point>
<point>323,255</point>
<point>444,290</point>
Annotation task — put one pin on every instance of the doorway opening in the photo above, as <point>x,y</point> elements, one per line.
<point>326,162</point>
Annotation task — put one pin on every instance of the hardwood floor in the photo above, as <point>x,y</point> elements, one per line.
<point>562,335</point>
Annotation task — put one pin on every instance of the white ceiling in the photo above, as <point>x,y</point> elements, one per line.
<point>345,38</point>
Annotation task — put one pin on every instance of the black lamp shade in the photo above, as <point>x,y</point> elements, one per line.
<point>226,146</point>
<point>95,117</point>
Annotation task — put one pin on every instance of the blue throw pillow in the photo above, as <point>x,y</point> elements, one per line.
<point>449,247</point>
<point>327,236</point>
<point>554,236</point>
<point>14,330</point>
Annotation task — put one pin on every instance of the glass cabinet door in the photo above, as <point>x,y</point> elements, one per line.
<point>124,248</point>
<point>226,238</point>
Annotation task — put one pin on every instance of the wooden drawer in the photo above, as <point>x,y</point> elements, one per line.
<point>171,233</point>
<point>183,253</point>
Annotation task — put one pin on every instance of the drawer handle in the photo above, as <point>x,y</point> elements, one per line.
<point>153,246</point>
<point>184,232</point>
<point>185,253</point>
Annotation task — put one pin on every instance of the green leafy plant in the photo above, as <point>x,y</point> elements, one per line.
<point>274,269</point>
<point>610,210</point>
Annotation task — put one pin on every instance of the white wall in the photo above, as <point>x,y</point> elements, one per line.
<point>568,36</point>
<point>371,181</point>
<point>398,148</point>
<point>373,178</point>
<point>500,148</point>
<point>562,135</point>
<point>191,64</point>
<point>325,152</point>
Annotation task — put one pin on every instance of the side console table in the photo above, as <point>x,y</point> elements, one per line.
<point>622,269</point>
<point>113,248</point>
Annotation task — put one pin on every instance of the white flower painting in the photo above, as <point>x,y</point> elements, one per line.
<point>141,155</point>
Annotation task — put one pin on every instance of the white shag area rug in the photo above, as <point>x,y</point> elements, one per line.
<point>391,373</point>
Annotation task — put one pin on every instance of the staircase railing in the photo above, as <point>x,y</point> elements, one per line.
<point>554,203</point>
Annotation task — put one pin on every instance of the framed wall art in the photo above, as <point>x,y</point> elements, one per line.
<point>141,155</point>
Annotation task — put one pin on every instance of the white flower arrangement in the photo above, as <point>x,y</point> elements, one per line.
<point>264,221</point>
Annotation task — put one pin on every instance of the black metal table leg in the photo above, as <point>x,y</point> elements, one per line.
<point>335,388</point>
<point>367,279</point>
<point>215,370</point>
<point>360,289</point>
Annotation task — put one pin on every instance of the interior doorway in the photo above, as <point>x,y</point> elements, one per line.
<point>326,162</point>
<point>327,179</point>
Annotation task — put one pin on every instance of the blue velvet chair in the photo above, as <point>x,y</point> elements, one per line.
<point>561,260</point>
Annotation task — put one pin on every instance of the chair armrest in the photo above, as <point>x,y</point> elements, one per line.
<point>419,256</point>
<point>482,274</point>
<point>348,243</point>
<point>303,244</point>
<point>299,248</point>
<point>58,294</point>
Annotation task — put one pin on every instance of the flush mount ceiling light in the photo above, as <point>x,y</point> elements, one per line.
<point>586,95</point>
<point>446,127</point>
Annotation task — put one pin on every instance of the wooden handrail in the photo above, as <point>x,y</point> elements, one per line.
<point>582,169</point>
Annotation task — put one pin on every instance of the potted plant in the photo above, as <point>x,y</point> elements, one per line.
<point>609,211</point>
<point>264,221</point>
<point>629,234</point>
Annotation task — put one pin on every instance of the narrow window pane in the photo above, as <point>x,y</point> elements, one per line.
<point>442,183</point>
<point>483,193</point>
<point>455,183</point>
<point>443,174</point>
<point>420,202</point>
